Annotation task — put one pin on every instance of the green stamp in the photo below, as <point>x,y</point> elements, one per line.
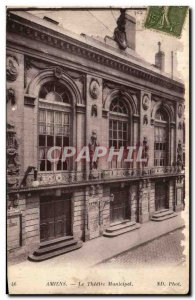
<point>169,19</point>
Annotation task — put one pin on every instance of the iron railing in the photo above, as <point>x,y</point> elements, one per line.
<point>75,177</point>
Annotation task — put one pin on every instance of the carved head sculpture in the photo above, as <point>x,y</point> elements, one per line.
<point>11,96</point>
<point>93,138</point>
<point>94,110</point>
<point>145,120</point>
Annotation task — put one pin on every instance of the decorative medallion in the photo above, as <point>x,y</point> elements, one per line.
<point>180,111</point>
<point>145,102</point>
<point>94,89</point>
<point>59,178</point>
<point>12,67</point>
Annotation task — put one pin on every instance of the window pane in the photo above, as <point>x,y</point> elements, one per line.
<point>119,125</point>
<point>65,165</point>
<point>42,116</point>
<point>66,119</point>
<point>50,141</point>
<point>41,153</point>
<point>58,117</point>
<point>42,140</point>
<point>58,141</point>
<point>66,142</point>
<point>48,165</point>
<point>120,134</point>
<point>115,134</point>
<point>115,125</point>
<point>59,165</point>
<point>124,135</point>
<point>42,165</point>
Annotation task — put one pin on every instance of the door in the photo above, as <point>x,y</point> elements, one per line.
<point>55,217</point>
<point>160,195</point>
<point>119,208</point>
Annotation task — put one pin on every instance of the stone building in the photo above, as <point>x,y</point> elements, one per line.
<point>69,90</point>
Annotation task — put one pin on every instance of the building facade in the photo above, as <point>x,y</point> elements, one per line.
<point>66,90</point>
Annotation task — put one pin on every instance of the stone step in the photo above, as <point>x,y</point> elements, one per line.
<point>46,256</point>
<point>56,241</point>
<point>120,222</point>
<point>161,210</point>
<point>162,214</point>
<point>121,231</point>
<point>163,218</point>
<point>120,226</point>
<point>54,247</point>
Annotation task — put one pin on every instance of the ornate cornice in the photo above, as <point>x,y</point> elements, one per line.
<point>58,40</point>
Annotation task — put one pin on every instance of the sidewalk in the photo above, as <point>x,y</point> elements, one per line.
<point>97,250</point>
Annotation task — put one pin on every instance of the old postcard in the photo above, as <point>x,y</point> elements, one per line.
<point>97,150</point>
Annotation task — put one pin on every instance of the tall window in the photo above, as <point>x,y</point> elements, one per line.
<point>118,128</point>
<point>160,139</point>
<point>54,125</point>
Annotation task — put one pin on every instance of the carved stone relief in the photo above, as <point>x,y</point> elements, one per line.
<point>180,111</point>
<point>145,120</point>
<point>179,155</point>
<point>145,151</point>
<point>12,67</point>
<point>94,88</point>
<point>94,111</point>
<point>92,146</point>
<point>180,126</point>
<point>12,156</point>
<point>11,97</point>
<point>145,102</point>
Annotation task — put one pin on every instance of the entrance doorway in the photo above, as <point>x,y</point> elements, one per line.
<point>119,207</point>
<point>160,195</point>
<point>55,217</point>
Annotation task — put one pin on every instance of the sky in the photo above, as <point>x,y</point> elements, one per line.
<point>102,22</point>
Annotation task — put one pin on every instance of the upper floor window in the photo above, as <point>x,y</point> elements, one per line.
<point>118,128</point>
<point>54,91</point>
<point>119,106</point>
<point>54,125</point>
<point>160,139</point>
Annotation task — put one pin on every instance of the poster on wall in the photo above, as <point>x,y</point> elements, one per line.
<point>97,150</point>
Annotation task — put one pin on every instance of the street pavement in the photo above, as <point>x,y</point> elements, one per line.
<point>164,250</point>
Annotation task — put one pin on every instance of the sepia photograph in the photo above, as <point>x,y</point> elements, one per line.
<point>97,150</point>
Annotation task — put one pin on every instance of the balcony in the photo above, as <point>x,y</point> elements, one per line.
<point>73,178</point>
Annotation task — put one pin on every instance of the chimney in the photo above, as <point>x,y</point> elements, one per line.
<point>130,30</point>
<point>160,58</point>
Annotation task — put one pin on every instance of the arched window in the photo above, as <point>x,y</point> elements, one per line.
<point>54,91</point>
<point>118,128</point>
<point>161,139</point>
<point>54,124</point>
